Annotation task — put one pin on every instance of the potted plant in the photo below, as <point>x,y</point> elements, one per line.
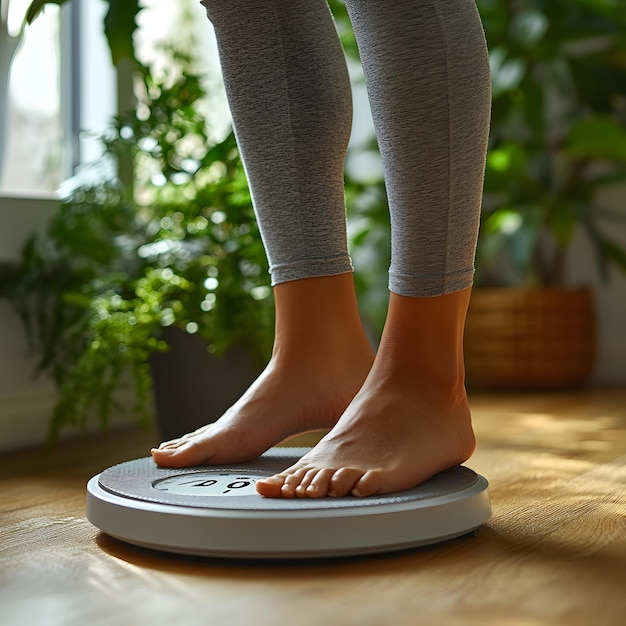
<point>122,265</point>
<point>558,137</point>
<point>140,274</point>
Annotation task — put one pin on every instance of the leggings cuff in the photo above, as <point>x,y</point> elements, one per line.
<point>428,286</point>
<point>315,268</point>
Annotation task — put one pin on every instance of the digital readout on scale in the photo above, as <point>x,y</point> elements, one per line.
<point>209,484</point>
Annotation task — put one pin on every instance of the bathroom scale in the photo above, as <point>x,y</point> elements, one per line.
<point>215,511</point>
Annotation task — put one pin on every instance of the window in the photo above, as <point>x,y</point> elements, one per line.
<point>58,94</point>
<point>56,91</point>
<point>32,134</point>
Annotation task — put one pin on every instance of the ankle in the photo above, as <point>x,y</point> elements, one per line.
<point>319,316</point>
<point>422,343</point>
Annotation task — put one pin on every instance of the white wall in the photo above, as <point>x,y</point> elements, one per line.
<point>25,402</point>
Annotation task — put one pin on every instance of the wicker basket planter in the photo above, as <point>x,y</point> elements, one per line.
<point>530,338</point>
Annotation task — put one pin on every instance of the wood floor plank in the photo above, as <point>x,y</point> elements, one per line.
<point>553,553</point>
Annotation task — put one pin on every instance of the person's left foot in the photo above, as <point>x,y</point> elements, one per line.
<point>320,359</point>
<point>389,439</point>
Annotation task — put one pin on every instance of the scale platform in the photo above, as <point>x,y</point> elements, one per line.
<point>216,511</point>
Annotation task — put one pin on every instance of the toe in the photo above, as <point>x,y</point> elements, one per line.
<point>270,487</point>
<point>343,481</point>
<point>183,454</point>
<point>282,485</point>
<point>305,482</point>
<point>318,487</point>
<point>368,485</point>
<point>292,482</point>
<point>172,443</point>
<point>186,439</point>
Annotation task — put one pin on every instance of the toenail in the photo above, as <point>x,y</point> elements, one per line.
<point>163,451</point>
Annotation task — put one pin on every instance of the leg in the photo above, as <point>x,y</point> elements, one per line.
<point>410,418</point>
<point>289,93</point>
<point>429,91</point>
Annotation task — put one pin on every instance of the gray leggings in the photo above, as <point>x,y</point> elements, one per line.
<point>427,75</point>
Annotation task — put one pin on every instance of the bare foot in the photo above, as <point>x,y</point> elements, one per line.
<point>389,439</point>
<point>321,358</point>
<point>282,402</point>
<point>409,421</point>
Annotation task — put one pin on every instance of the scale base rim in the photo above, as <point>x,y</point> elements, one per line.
<point>290,556</point>
<point>205,532</point>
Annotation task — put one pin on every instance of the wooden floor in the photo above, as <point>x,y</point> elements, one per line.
<point>553,553</point>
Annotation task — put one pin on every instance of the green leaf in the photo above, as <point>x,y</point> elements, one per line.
<point>597,137</point>
<point>528,27</point>
<point>37,6</point>
<point>507,158</point>
<point>615,253</point>
<point>506,221</point>
<point>608,251</point>
<point>612,9</point>
<point>561,220</point>
<point>119,27</point>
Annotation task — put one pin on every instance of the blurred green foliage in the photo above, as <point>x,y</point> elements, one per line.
<point>119,25</point>
<point>558,136</point>
<point>117,264</point>
<point>182,248</point>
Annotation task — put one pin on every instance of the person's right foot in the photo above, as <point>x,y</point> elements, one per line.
<point>391,438</point>
<point>410,419</point>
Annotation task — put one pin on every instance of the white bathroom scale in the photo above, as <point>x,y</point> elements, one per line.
<point>215,511</point>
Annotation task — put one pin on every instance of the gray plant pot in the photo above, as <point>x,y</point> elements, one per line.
<point>193,387</point>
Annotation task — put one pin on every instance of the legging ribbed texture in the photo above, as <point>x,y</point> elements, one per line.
<point>427,74</point>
